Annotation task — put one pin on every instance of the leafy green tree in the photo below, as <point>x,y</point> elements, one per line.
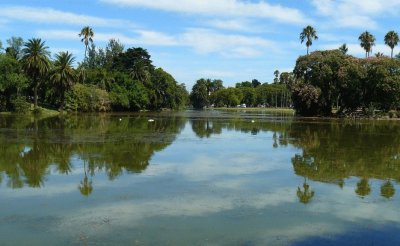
<point>113,49</point>
<point>199,96</point>
<point>15,47</point>
<point>35,63</point>
<point>309,34</point>
<point>63,75</point>
<point>12,81</point>
<point>87,37</point>
<point>367,40</point>
<point>125,61</point>
<point>391,40</point>
<point>255,83</point>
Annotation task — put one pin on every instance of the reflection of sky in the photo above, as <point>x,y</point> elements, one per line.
<point>231,188</point>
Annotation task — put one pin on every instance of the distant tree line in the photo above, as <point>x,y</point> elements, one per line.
<point>207,92</point>
<point>107,79</point>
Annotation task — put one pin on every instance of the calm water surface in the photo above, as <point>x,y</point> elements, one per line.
<point>198,178</point>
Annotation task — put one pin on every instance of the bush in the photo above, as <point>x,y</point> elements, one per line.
<point>20,105</point>
<point>87,98</point>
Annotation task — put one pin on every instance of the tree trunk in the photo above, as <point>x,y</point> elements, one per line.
<point>35,96</point>
<point>307,49</point>
<point>391,55</point>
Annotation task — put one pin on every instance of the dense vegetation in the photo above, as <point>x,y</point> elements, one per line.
<point>206,93</point>
<point>107,79</point>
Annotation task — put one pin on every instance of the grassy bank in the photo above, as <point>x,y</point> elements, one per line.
<point>274,110</point>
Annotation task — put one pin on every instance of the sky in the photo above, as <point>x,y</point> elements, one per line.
<point>232,40</point>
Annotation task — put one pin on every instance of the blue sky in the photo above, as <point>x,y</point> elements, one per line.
<point>233,40</point>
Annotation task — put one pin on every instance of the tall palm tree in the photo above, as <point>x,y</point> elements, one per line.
<point>35,62</point>
<point>87,37</point>
<point>310,34</point>
<point>367,40</point>
<point>391,40</point>
<point>63,75</point>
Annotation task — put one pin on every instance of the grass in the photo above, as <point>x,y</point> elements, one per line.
<point>275,110</point>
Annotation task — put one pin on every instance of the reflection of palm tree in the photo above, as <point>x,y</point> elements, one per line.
<point>363,188</point>
<point>387,190</point>
<point>85,186</point>
<point>306,194</point>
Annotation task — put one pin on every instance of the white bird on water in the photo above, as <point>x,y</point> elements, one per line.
<point>151,120</point>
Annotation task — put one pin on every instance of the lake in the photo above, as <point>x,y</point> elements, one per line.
<point>198,178</point>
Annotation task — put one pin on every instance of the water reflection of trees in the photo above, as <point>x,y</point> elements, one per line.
<point>31,148</point>
<point>334,152</point>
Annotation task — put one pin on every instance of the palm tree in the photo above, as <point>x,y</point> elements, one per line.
<point>140,71</point>
<point>35,62</point>
<point>63,75</point>
<point>391,40</point>
<point>343,48</point>
<point>305,195</point>
<point>87,37</point>
<point>367,40</point>
<point>308,33</point>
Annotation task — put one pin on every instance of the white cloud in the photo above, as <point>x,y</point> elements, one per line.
<point>203,41</point>
<point>147,38</point>
<point>233,25</point>
<point>230,45</point>
<point>49,15</point>
<point>355,13</point>
<point>239,8</point>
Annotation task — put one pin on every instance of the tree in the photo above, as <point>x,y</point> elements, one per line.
<point>276,74</point>
<point>308,33</point>
<point>199,96</point>
<point>363,188</point>
<point>35,62</point>
<point>379,54</point>
<point>140,71</point>
<point>305,195</point>
<point>255,83</point>
<point>14,47</point>
<point>391,40</point>
<point>87,37</point>
<point>113,49</point>
<point>343,48</point>
<point>367,40</point>
<point>63,75</point>
<point>387,190</point>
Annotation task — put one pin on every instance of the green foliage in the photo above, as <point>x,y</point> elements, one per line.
<point>367,40</point>
<point>87,98</point>
<point>308,34</point>
<point>12,81</point>
<point>36,63</point>
<point>199,97</point>
<point>229,97</point>
<point>20,105</point>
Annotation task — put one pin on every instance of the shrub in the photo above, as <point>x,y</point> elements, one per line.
<point>20,105</point>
